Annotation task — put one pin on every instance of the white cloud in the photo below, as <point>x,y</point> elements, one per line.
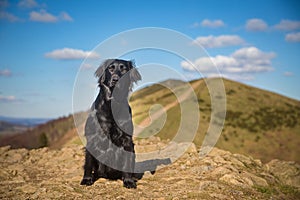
<point>288,25</point>
<point>219,41</point>
<point>44,16</point>
<point>9,99</point>
<point>288,74</point>
<point>27,4</point>
<point>254,54</point>
<point>65,16</point>
<point>293,37</point>
<point>87,66</point>
<point>237,77</point>
<point>256,25</point>
<point>212,23</point>
<point>9,17</point>
<point>71,54</point>
<point>195,25</point>
<point>242,63</point>
<point>5,72</point>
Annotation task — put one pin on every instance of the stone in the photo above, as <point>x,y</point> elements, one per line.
<point>218,196</point>
<point>244,159</point>
<point>220,171</point>
<point>287,172</point>
<point>258,162</point>
<point>219,160</point>
<point>188,163</point>
<point>27,189</point>
<point>237,180</point>
<point>206,184</point>
<point>56,174</point>
<point>235,162</point>
<point>192,148</point>
<point>4,149</point>
<point>256,179</point>
<point>218,152</point>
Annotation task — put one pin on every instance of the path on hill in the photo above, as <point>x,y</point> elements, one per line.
<point>156,115</point>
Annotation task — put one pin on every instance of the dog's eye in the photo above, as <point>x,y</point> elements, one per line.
<point>123,68</point>
<point>111,68</point>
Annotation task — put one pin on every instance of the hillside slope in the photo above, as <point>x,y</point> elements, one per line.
<point>56,174</point>
<point>7,128</point>
<point>41,136</point>
<point>259,123</point>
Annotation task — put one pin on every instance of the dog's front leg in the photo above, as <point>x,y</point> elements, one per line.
<point>89,165</point>
<point>129,162</point>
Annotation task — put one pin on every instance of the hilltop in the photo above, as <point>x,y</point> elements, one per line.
<point>259,123</point>
<point>56,174</point>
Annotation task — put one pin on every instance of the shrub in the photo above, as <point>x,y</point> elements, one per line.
<point>43,140</point>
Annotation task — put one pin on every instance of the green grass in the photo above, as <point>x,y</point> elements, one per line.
<point>287,189</point>
<point>266,190</point>
<point>272,190</point>
<point>262,124</point>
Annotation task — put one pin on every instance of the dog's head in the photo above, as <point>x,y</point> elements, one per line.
<point>116,72</point>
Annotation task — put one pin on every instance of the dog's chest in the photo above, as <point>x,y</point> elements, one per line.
<point>110,128</point>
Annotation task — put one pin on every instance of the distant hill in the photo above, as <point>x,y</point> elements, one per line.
<point>7,128</point>
<point>40,136</point>
<point>29,122</point>
<point>259,123</point>
<point>10,125</point>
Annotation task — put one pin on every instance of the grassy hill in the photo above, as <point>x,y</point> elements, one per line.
<point>259,123</point>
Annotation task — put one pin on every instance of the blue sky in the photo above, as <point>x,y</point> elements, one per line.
<point>43,44</point>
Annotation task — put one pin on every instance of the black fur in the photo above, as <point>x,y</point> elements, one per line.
<point>108,130</point>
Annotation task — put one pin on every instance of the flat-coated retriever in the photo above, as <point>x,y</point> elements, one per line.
<point>110,149</point>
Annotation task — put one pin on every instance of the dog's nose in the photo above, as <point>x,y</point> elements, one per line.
<point>115,78</point>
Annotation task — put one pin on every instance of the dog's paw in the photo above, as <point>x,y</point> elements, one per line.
<point>137,176</point>
<point>129,183</point>
<point>87,181</point>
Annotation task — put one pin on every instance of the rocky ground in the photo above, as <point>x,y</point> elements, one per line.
<point>56,174</point>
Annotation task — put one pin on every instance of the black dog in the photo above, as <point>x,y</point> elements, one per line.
<point>108,130</point>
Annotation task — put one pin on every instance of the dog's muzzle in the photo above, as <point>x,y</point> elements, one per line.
<point>114,79</point>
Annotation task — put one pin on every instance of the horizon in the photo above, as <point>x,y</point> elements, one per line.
<point>137,89</point>
<point>44,44</point>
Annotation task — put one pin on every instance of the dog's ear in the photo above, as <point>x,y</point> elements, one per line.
<point>135,76</point>
<point>100,72</point>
